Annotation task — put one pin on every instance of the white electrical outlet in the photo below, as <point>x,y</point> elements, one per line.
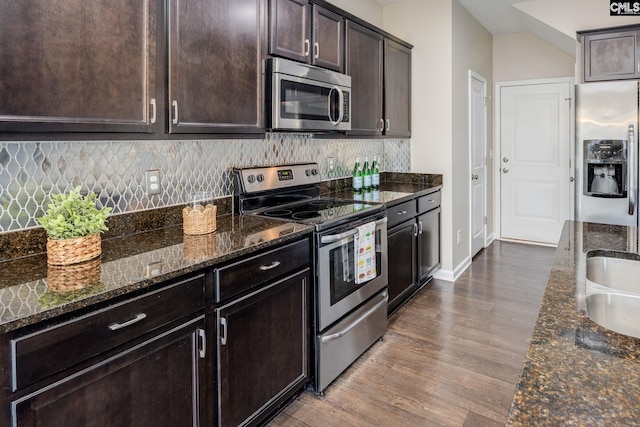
<point>459,238</point>
<point>153,181</point>
<point>331,163</point>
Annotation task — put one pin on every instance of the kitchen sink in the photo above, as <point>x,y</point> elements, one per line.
<point>613,291</point>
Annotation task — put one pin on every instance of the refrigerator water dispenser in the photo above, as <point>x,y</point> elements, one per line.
<point>605,168</point>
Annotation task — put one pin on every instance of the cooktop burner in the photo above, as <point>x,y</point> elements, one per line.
<point>292,193</point>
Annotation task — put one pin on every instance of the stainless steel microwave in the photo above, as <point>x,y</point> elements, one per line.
<point>303,97</point>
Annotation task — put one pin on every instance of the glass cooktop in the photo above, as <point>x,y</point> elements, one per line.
<point>318,210</point>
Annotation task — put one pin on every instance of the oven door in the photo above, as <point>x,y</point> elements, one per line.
<point>337,291</point>
<point>302,104</point>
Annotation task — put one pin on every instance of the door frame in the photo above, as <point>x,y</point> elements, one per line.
<point>483,80</point>
<point>497,143</point>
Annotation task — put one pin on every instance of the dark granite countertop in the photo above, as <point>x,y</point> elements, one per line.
<point>29,291</point>
<point>133,258</point>
<point>575,371</point>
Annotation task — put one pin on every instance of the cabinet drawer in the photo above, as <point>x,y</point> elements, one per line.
<point>399,213</point>
<point>428,202</point>
<point>246,274</point>
<point>45,352</point>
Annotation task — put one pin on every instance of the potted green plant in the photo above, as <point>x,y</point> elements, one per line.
<point>73,225</point>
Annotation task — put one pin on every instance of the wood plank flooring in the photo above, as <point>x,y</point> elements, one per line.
<point>452,355</point>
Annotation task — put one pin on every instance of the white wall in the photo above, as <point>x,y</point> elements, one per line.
<point>368,10</point>
<point>427,24</point>
<point>522,56</point>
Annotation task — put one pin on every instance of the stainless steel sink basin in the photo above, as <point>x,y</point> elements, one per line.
<point>613,291</point>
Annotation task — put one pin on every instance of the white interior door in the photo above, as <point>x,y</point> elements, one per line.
<point>535,165</point>
<point>478,143</point>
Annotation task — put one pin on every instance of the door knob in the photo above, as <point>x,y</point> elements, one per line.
<point>505,159</point>
<point>571,179</point>
<point>505,170</point>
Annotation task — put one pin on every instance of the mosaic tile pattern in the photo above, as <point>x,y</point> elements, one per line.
<point>115,170</point>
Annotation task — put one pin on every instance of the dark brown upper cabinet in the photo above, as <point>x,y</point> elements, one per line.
<point>397,89</point>
<point>380,70</point>
<point>364,63</point>
<point>78,66</point>
<point>215,72</point>
<point>611,55</point>
<point>306,32</point>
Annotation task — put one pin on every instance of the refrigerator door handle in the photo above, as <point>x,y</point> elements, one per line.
<point>632,171</point>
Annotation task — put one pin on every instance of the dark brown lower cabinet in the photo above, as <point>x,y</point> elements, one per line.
<point>157,382</point>
<point>262,350</point>
<point>401,244</point>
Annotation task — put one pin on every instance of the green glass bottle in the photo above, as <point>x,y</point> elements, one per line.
<point>375,173</point>
<point>357,177</point>
<point>366,175</point>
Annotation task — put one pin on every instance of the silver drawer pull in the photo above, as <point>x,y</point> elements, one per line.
<point>138,317</point>
<point>274,264</point>
<point>402,213</point>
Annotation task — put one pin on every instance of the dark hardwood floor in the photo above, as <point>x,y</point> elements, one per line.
<point>452,355</point>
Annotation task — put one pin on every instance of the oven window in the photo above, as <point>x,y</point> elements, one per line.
<point>342,270</point>
<point>307,102</point>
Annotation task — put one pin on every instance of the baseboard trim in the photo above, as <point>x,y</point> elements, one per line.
<point>452,276</point>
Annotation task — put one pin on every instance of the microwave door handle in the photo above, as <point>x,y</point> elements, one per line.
<point>340,105</point>
<point>632,170</point>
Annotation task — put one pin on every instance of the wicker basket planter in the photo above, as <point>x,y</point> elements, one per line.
<point>199,219</point>
<point>73,251</point>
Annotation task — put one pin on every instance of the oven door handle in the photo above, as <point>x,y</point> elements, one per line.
<point>337,237</point>
<point>383,301</point>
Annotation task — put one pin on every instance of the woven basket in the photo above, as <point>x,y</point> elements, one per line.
<point>64,278</point>
<point>73,251</point>
<point>199,219</point>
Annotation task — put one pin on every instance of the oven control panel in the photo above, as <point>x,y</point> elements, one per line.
<point>268,178</point>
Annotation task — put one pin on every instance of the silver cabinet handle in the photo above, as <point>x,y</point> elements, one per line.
<point>223,334</point>
<point>174,104</point>
<point>138,317</point>
<point>381,125</point>
<point>388,125</point>
<point>306,47</point>
<point>274,264</point>
<point>505,170</point>
<point>420,227</point>
<point>359,320</point>
<point>415,230</point>
<point>203,343</point>
<point>402,213</point>
<point>153,110</point>
<point>316,49</point>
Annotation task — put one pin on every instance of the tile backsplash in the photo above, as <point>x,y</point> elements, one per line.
<point>115,170</point>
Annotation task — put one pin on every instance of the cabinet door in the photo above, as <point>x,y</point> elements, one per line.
<point>156,383</point>
<point>364,59</point>
<point>262,350</point>
<point>397,89</point>
<point>428,244</point>
<point>289,29</point>
<point>611,56</point>
<point>401,243</point>
<point>215,73</point>
<point>77,65</point>
<point>328,39</point>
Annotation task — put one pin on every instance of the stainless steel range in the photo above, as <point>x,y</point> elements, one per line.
<point>350,259</point>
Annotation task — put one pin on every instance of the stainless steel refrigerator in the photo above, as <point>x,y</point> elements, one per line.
<point>607,152</point>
